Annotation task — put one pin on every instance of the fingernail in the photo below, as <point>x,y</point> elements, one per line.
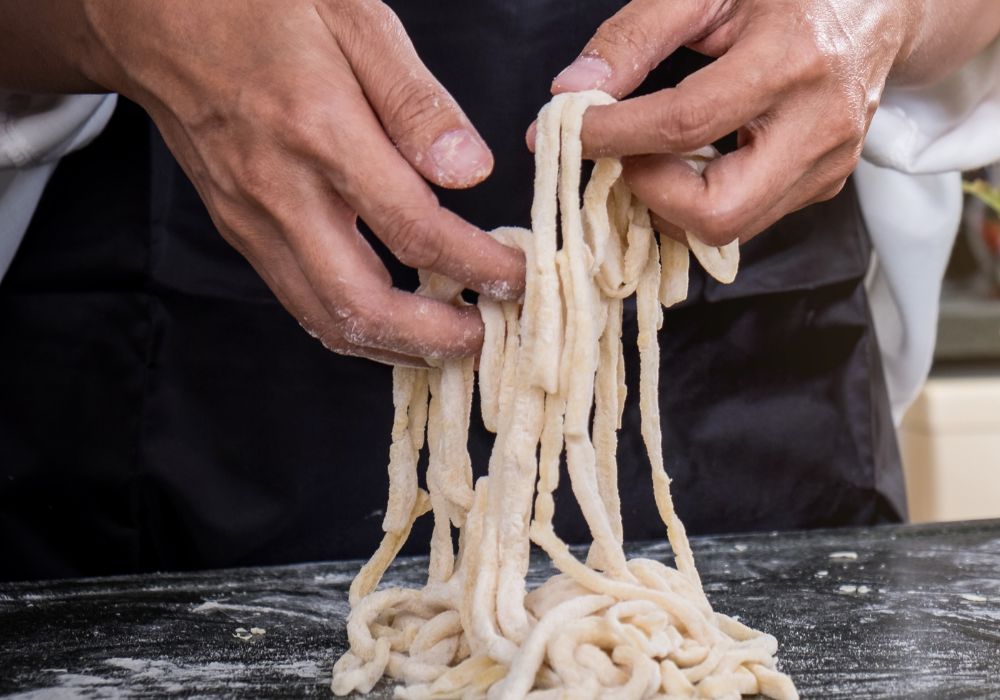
<point>460,158</point>
<point>585,73</point>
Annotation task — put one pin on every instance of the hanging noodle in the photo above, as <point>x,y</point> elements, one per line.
<point>551,381</point>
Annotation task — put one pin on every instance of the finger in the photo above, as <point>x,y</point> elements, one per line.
<point>737,196</point>
<point>665,228</point>
<point>675,192</point>
<point>635,40</point>
<point>420,116</point>
<point>709,104</point>
<point>400,208</point>
<point>250,220</point>
<point>278,268</point>
<point>349,279</point>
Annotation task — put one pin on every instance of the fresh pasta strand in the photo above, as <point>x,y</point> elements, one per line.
<point>551,382</point>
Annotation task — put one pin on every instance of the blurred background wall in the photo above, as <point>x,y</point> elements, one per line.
<point>950,438</point>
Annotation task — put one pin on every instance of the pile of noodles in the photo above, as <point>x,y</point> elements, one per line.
<point>551,382</point>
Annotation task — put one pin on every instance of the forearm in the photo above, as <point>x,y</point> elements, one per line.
<point>948,35</point>
<point>46,46</point>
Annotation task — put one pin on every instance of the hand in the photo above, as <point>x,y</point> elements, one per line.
<point>294,118</point>
<point>798,80</point>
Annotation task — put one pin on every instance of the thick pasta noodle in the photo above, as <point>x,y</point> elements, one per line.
<point>552,382</point>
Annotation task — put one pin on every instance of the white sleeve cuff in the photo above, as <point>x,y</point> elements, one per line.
<point>951,125</point>
<point>35,132</point>
<point>910,194</point>
<point>36,129</point>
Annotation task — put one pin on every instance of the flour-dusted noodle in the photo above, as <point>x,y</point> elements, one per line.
<point>491,361</point>
<point>722,263</point>
<point>674,263</point>
<point>606,416</point>
<point>403,454</point>
<point>542,299</point>
<point>552,383</point>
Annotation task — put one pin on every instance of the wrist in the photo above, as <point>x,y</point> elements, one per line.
<point>909,19</point>
<point>943,36</point>
<point>46,47</point>
<point>99,55</point>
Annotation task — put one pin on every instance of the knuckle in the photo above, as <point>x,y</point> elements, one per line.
<point>348,351</point>
<point>303,122</point>
<point>720,225</point>
<point>855,133</point>
<point>358,330</point>
<point>658,203</point>
<point>716,234</point>
<point>806,61</point>
<point>334,342</point>
<point>360,25</point>
<point>328,334</point>
<point>846,131</point>
<point>626,33</point>
<point>254,178</point>
<point>685,123</point>
<point>832,191</point>
<point>840,170</point>
<point>842,128</point>
<point>414,106</point>
<point>853,158</point>
<point>412,239</point>
<point>356,322</point>
<point>372,13</point>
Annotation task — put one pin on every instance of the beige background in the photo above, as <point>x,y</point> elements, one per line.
<point>950,442</point>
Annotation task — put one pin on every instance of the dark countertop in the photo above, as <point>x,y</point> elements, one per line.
<point>916,614</point>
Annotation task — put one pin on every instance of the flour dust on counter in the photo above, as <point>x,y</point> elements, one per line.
<point>921,632</point>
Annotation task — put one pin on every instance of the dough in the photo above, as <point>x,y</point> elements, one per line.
<point>552,381</point>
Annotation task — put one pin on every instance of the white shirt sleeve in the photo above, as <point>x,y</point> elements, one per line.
<point>909,185</point>
<point>35,132</point>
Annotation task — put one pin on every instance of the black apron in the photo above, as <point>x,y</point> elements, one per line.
<point>160,410</point>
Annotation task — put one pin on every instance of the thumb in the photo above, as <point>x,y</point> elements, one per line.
<point>417,112</point>
<point>635,40</point>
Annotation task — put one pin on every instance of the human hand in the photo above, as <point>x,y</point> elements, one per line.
<point>798,81</point>
<point>294,118</point>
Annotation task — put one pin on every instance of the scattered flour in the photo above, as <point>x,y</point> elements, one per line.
<point>214,605</point>
<point>336,577</point>
<point>171,676</point>
<point>850,588</point>
<point>844,555</point>
<point>246,634</point>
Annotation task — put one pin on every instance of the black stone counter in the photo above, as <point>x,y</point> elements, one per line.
<point>894,612</point>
